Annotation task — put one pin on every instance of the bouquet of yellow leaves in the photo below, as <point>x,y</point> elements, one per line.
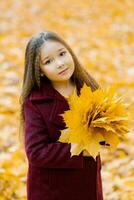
<point>94,119</point>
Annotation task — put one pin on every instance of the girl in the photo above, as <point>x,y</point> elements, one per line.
<point>52,72</point>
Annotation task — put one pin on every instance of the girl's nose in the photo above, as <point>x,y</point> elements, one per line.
<point>59,63</point>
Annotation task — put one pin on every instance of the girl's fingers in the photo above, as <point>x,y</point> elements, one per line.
<point>85,153</point>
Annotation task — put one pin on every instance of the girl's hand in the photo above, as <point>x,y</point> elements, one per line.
<point>74,146</point>
<point>85,153</point>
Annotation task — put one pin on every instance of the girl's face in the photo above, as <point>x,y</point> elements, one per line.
<point>54,59</point>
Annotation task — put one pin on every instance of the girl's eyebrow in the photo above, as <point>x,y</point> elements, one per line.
<point>48,56</point>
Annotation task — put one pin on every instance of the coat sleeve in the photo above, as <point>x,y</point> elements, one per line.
<point>39,151</point>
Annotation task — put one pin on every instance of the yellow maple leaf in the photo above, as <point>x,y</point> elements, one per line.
<point>94,118</point>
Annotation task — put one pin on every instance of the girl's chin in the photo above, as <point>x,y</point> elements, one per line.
<point>67,77</point>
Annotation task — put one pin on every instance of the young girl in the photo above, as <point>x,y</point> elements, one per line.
<point>52,73</point>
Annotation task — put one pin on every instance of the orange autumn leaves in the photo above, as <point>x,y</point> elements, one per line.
<point>94,118</point>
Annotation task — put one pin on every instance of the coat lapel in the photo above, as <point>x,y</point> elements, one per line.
<point>46,91</point>
<point>49,93</point>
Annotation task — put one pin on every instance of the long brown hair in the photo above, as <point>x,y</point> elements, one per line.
<point>32,71</point>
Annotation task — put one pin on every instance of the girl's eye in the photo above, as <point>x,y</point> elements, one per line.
<point>47,62</point>
<point>62,53</point>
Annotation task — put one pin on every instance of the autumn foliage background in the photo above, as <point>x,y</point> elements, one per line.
<point>101,33</point>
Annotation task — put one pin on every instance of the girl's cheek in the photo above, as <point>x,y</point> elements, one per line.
<point>46,70</point>
<point>67,61</point>
<point>52,70</point>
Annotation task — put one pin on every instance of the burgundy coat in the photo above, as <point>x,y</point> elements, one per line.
<point>52,174</point>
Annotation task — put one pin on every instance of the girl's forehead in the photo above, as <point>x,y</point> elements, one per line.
<point>51,47</point>
<point>52,44</point>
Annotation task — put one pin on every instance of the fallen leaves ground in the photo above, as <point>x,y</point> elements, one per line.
<point>101,34</point>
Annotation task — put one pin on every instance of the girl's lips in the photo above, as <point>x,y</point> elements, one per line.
<point>63,71</point>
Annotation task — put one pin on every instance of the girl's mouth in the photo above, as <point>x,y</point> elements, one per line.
<point>63,71</point>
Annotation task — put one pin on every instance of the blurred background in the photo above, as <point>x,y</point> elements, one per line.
<point>101,33</point>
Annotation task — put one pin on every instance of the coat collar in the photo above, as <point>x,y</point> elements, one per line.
<point>47,91</point>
